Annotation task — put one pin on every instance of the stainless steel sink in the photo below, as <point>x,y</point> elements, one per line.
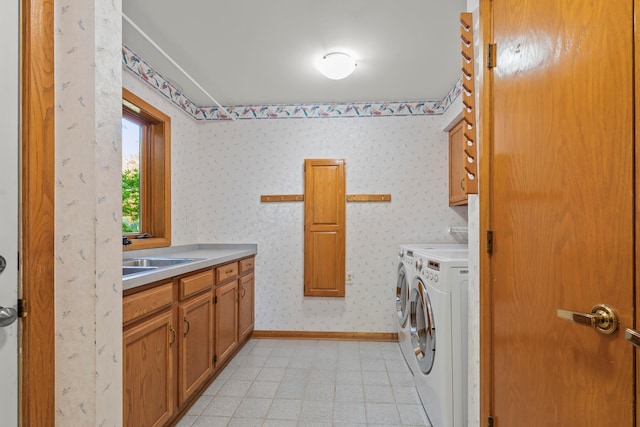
<point>156,262</point>
<point>149,264</point>
<point>127,270</point>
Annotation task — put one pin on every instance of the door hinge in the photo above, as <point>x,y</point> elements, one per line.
<point>215,359</point>
<point>215,300</point>
<point>489,241</point>
<point>22,308</point>
<point>490,421</point>
<point>492,50</point>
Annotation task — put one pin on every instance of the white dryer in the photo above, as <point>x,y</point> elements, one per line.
<point>404,284</point>
<point>438,323</point>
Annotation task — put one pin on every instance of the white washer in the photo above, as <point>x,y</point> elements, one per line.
<point>405,277</point>
<point>438,322</point>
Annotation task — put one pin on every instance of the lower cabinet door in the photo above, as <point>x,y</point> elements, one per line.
<point>148,372</point>
<point>226,323</point>
<point>196,343</point>
<point>245,322</point>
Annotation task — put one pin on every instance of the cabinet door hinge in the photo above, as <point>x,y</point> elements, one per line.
<point>492,51</point>
<point>490,421</point>
<point>215,359</point>
<point>489,241</point>
<point>22,308</point>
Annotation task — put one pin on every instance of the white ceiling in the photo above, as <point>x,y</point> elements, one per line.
<point>252,52</point>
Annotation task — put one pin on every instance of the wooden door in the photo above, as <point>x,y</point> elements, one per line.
<point>148,372</point>
<point>324,221</point>
<point>246,305</point>
<point>196,343</point>
<point>562,211</point>
<point>226,323</point>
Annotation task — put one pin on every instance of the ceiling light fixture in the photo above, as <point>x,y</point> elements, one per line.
<point>337,65</point>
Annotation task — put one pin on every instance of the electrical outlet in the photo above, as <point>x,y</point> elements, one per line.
<point>349,276</point>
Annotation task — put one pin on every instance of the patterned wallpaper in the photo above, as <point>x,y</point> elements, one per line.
<point>474,312</point>
<point>88,297</point>
<point>220,169</point>
<point>403,156</point>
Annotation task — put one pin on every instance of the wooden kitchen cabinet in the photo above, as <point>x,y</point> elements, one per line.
<point>226,321</point>
<point>177,334</point>
<point>457,192</point>
<point>246,297</point>
<point>148,371</point>
<point>195,317</point>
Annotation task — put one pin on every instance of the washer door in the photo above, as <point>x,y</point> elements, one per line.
<point>423,328</point>
<point>402,296</point>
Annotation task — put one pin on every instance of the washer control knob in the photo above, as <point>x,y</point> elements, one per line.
<point>436,278</point>
<point>419,264</point>
<point>401,253</point>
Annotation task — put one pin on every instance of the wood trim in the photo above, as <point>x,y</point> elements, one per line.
<point>468,100</point>
<point>636,77</point>
<point>37,365</point>
<point>321,335</point>
<point>484,89</point>
<point>156,180</point>
<point>275,198</point>
<point>368,197</point>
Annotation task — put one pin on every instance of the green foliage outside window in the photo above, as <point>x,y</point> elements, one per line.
<point>131,201</point>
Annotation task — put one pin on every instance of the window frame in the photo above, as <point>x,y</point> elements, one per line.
<point>155,174</point>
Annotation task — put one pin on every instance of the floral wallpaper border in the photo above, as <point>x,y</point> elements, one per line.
<point>144,71</point>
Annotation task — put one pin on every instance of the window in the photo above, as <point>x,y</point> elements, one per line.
<point>146,174</point>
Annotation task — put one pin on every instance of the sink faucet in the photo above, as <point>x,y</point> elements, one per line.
<point>126,241</point>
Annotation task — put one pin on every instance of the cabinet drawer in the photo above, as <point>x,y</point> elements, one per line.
<point>143,303</point>
<point>246,265</point>
<point>226,271</point>
<point>195,283</point>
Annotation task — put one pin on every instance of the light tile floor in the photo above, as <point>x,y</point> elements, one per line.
<point>283,383</point>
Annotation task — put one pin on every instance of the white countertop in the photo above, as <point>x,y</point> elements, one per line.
<point>210,254</point>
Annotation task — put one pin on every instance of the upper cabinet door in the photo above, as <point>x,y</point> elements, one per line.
<point>325,226</point>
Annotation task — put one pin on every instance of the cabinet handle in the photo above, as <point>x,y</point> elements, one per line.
<point>173,331</point>
<point>188,327</point>
<point>462,183</point>
<point>244,291</point>
<point>229,271</point>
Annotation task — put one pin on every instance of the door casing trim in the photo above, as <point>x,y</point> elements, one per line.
<point>37,164</point>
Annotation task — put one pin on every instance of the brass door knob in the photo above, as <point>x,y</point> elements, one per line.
<point>602,318</point>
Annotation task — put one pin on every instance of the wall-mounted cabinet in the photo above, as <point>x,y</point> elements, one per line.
<point>457,181</point>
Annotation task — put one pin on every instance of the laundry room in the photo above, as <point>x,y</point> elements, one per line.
<point>230,163</point>
<point>319,213</point>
